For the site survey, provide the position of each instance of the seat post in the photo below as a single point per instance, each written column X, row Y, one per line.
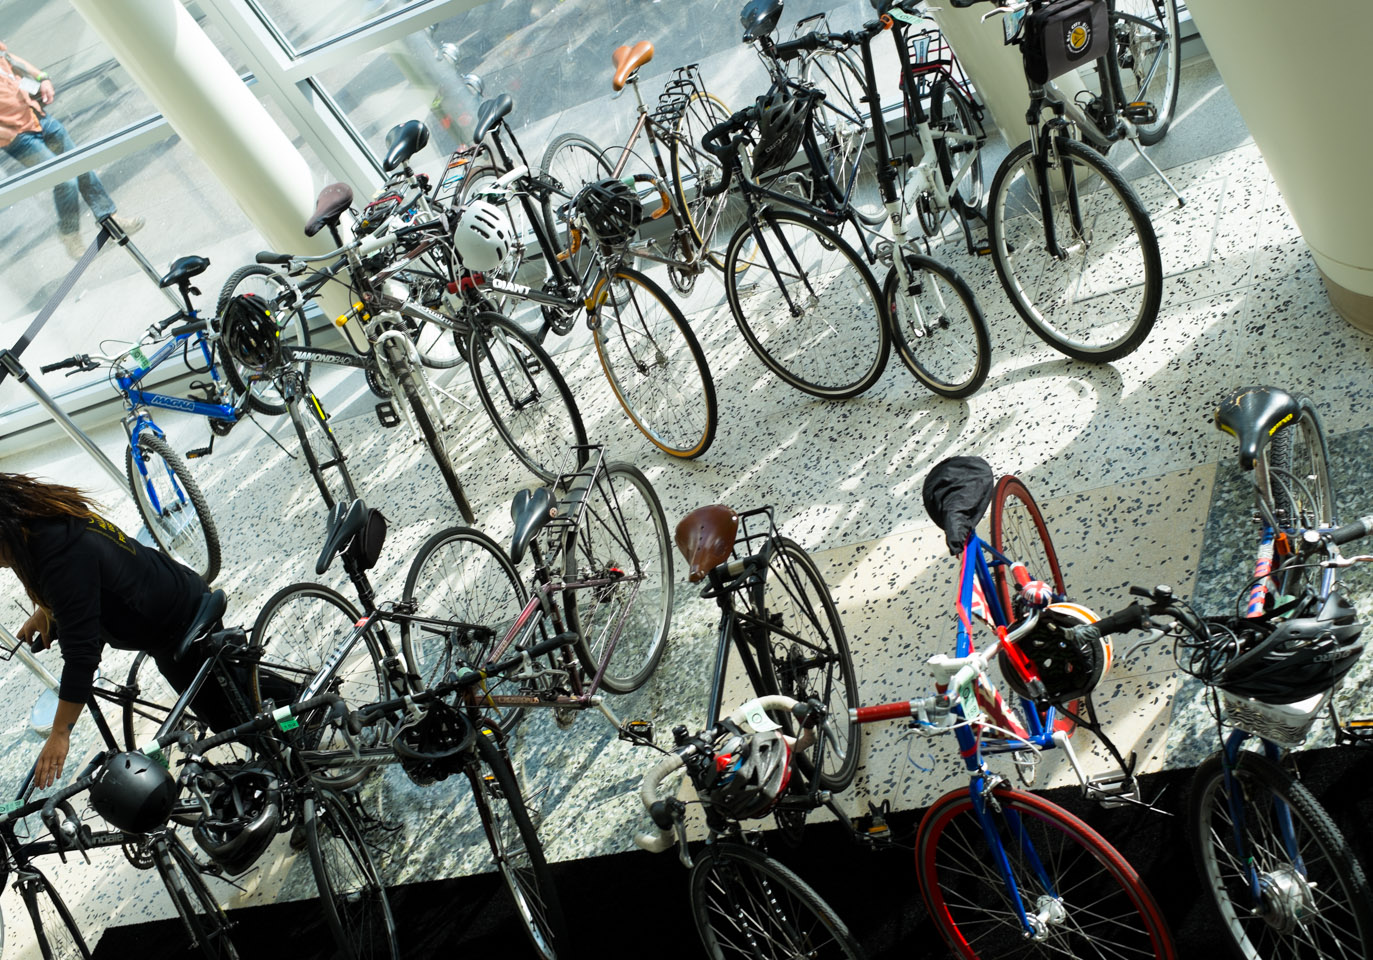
column 634, row 80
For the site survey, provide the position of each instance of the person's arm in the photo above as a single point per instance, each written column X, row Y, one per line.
column 53, row 757
column 45, row 87
column 37, row 630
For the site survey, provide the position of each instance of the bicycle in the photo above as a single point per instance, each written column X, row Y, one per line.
column 743, row 901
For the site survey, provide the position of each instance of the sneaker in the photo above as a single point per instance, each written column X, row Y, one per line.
column 72, row 241
column 130, row 225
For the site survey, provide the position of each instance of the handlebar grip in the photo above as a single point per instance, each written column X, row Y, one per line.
column 883, row 711
column 962, row 4
column 195, row 326
column 791, row 49
column 267, row 256
column 62, row 364
column 1351, row 531
column 1131, row 618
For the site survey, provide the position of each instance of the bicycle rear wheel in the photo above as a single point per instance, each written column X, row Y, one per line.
column 1099, row 300
column 526, row 397
column 841, row 123
column 655, row 364
column 709, row 218
column 1314, row 898
column 746, row 904
column 1019, row 533
column 937, row 327
column 324, row 458
column 55, row 931
column 1300, row 486
column 201, row 914
column 265, row 283
column 810, row 309
column 155, row 697
column 957, row 149
column 1080, row 895
column 622, row 539
column 171, row 504
column 351, row 894
column 1146, row 53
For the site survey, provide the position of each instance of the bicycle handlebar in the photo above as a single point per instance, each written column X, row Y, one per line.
column 82, row 362
column 365, row 247
column 1340, row 535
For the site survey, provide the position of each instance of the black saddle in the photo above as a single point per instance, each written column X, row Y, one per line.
column 346, row 520
column 207, row 617
column 532, row 510
column 957, row 493
column 489, row 114
column 1252, row 415
column 183, row 269
column 403, row 141
column 333, row 200
column 760, row 17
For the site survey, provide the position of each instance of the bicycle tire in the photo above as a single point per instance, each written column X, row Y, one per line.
column 141, row 723
column 416, row 393
column 172, row 506
column 655, row 365
column 1019, row 533
column 728, row 879
column 200, row 912
column 263, row 396
column 352, row 896
column 524, row 393
column 841, row 124
column 621, row 531
column 293, row 638
column 937, row 328
column 829, row 359
column 965, row 894
column 814, row 660
column 1057, row 311
column 951, row 113
column 56, row 933
column 1300, row 486
column 516, row 848
column 706, row 216
column 1324, row 903
column 572, row 161
column 314, row 431
column 1128, row 57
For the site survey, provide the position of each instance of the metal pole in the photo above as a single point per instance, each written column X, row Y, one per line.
column 111, row 227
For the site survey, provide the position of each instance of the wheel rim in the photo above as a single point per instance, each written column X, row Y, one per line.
column 358, row 898
column 267, row 289
column 530, row 411
column 1148, row 50
column 172, row 517
column 937, row 332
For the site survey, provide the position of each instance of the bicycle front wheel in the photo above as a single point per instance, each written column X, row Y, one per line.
column 655, row 364
column 1076, row 892
column 1096, row 296
column 957, row 147
column 526, row 397
column 621, row 543
column 1146, row 53
column 746, row 904
column 351, row 894
column 57, row 935
column 810, row 309
column 841, row 121
column 694, row 169
column 1299, row 485
column 938, row 328
column 324, row 458
column 173, row 508
column 271, row 290
column 1019, row 533
column 571, row 162
column 201, row 914
column 428, row 422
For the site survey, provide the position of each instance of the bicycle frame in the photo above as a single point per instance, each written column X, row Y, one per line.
column 128, row 383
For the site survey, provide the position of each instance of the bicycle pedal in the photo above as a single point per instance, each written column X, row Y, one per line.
column 1140, row 111
column 1112, row 790
column 637, row 731
column 386, row 414
column 872, row 828
column 1355, row 733
column 198, row 452
column 982, row 248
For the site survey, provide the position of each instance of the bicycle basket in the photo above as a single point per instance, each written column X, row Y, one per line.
column 1285, row 724
column 1060, row 36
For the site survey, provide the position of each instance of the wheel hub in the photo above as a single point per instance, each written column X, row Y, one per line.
column 1049, row 913
column 1285, row 899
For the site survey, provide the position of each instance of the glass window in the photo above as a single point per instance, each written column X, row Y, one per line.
column 305, row 25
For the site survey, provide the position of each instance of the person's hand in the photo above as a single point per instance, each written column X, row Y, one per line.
column 46, row 92
column 52, row 758
column 36, row 631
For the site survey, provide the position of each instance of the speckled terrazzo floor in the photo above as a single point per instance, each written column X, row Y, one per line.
column 1137, row 485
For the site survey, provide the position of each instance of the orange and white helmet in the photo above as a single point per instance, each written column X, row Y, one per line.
column 1069, row 669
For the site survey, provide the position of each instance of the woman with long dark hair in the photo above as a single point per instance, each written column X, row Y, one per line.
column 91, row 585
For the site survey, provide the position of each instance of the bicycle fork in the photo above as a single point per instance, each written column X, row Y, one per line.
column 1049, row 911
column 1280, row 880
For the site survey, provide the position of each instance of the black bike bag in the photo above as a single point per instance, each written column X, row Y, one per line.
column 1063, row 35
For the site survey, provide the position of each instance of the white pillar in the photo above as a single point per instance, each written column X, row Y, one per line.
column 1299, row 76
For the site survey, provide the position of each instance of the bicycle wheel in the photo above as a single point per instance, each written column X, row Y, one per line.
column 571, row 162
column 655, row 364
column 841, row 122
column 1147, row 56
column 200, row 912
column 1300, row 486
column 937, row 327
column 324, row 458
column 427, row 422
column 833, row 348
column 622, row 542
column 172, row 506
column 694, row 169
column 1099, row 300
column 268, row 285
column 526, row 397
column 808, row 652
column 1019, row 533
column 746, row 904
column 351, row 894
column 149, row 700
column 516, row 848
column 297, row 635
column 56, row 934
column 1081, row 897
column 1313, row 901
column 957, row 147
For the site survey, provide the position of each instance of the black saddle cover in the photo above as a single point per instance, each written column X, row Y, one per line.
column 403, row 141
column 210, row 612
column 531, row 510
column 183, row 269
column 490, row 113
column 1252, row 415
column 957, row 493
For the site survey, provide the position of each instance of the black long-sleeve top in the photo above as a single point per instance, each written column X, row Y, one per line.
column 103, row 587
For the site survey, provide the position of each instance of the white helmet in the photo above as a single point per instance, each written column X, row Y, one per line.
column 482, row 235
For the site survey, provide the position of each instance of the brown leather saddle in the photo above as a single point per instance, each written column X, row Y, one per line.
column 705, row 536
column 628, row 60
column 333, row 200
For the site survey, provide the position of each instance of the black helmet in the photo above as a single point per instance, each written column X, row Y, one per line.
column 428, row 743
column 610, row 211
column 134, row 793
column 251, row 335
column 781, row 125
column 751, row 773
column 1068, row 670
column 245, row 814
column 1302, row 657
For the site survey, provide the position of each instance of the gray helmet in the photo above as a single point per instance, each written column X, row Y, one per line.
column 134, row 793
column 245, row 814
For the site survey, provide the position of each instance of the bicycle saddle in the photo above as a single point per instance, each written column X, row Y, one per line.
column 210, row 612
column 403, row 141
column 760, row 17
column 491, row 113
column 957, row 493
column 705, row 537
column 628, row 60
column 333, row 200
column 531, row 510
column 345, row 521
column 1252, row 415
column 184, row 269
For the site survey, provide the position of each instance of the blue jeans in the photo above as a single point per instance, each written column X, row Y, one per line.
column 34, row 148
